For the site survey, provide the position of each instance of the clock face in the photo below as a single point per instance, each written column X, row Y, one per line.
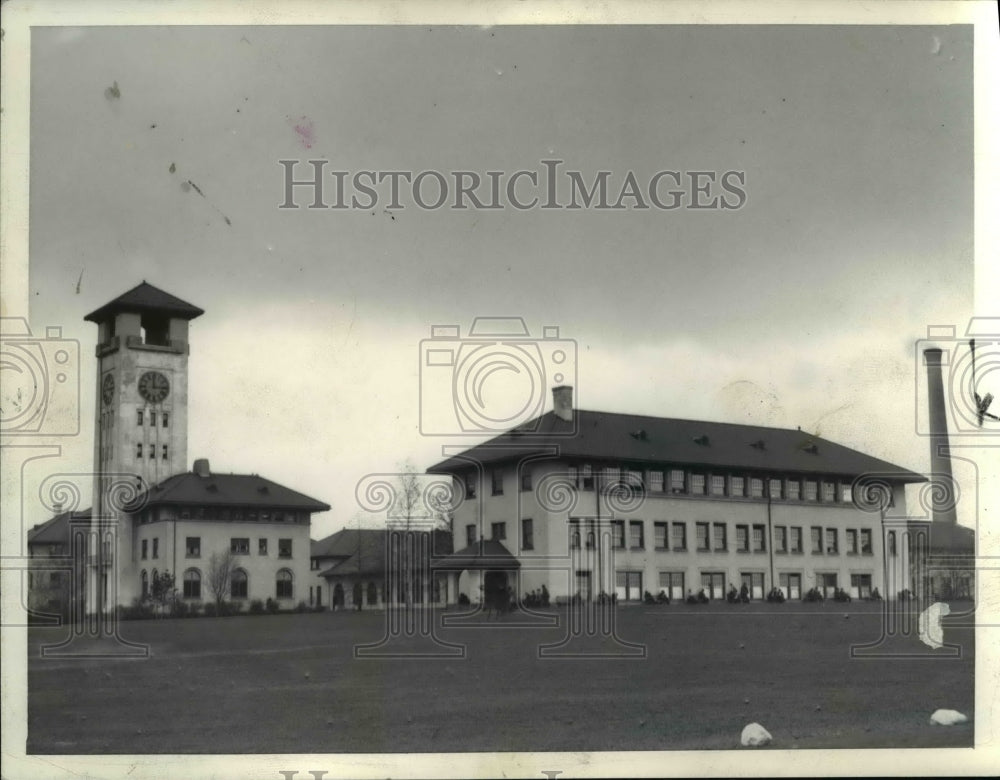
column 154, row 386
column 108, row 389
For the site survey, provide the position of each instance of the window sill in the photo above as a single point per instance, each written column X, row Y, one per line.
column 680, row 549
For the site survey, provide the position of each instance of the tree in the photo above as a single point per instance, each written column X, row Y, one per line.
column 416, row 500
column 162, row 590
column 220, row 575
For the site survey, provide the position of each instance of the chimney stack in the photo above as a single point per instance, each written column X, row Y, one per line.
column 201, row 468
column 562, row 402
column 938, row 425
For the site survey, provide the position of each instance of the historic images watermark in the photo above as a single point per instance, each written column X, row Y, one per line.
column 308, row 183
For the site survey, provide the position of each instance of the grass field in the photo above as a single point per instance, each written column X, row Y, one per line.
column 290, row 683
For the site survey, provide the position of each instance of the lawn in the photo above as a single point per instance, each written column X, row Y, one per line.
column 290, row 683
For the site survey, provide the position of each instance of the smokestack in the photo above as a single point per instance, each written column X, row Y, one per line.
column 201, row 468
column 562, row 402
column 938, row 425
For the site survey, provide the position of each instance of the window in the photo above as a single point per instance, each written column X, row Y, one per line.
column 698, row 484
column 758, row 539
column 656, row 481
column 846, row 494
column 737, row 486
column 525, row 479
column 701, row 536
column 754, row 581
column 164, row 451
column 144, row 548
column 719, row 537
column 152, row 452
column 828, row 584
column 676, row 481
column 618, row 534
column 283, row 585
column 680, row 536
column 193, row 546
column 497, row 479
column 892, row 543
column 574, row 534
column 587, row 473
column 713, row 583
column 261, row 546
column 145, row 584
column 498, row 531
column 636, row 538
column 718, row 485
column 852, row 541
column 660, row 536
column 816, row 536
column 238, row 584
column 284, row 548
column 831, row 541
column 527, row 534
column 810, row 490
column 470, row 534
column 672, row 583
column 138, row 417
column 780, row 539
column 470, row 485
column 152, row 418
column 795, row 541
column 792, row 488
column 628, row 585
column 774, row 486
column 612, row 475
column 743, row 538
column 861, row 586
column 138, row 450
column 192, row 584
column 166, row 418
column 866, row 541
column 829, row 491
column 756, row 488
column 240, row 546
column 633, row 478
column 590, row 538
column 156, row 547
column 314, row 564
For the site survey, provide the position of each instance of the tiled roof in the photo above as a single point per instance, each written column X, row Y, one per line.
column 354, row 550
column 56, row 529
column 235, row 490
column 484, row 554
column 630, row 438
column 142, row 298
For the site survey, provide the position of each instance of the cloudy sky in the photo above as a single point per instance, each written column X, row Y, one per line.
column 154, row 155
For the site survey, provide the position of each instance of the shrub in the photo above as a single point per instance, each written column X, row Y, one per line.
column 463, row 600
column 272, row 606
column 211, row 610
column 905, row 594
column 180, row 609
column 662, row 597
column 301, row 607
column 647, row 598
column 319, row 608
column 691, row 599
column 256, row 607
column 814, row 594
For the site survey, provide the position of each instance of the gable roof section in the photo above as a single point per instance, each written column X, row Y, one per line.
column 362, row 550
column 236, row 490
column 631, row 438
column 479, row 556
column 55, row 530
column 146, row 298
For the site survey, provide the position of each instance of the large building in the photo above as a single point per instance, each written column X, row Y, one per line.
column 585, row 502
column 151, row 514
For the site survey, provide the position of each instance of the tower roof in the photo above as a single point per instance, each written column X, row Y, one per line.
column 146, row 298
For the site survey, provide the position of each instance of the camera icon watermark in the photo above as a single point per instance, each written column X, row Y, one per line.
column 39, row 381
column 494, row 379
column 969, row 366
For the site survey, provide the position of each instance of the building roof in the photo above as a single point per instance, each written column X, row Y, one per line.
column 56, row 529
column 146, row 298
column 631, row 438
column 478, row 556
column 362, row 550
column 235, row 490
column 948, row 539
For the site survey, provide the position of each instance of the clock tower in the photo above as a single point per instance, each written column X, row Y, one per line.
column 141, row 414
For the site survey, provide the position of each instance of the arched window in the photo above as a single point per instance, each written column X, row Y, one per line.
column 145, row 584
column 283, row 584
column 192, row 584
column 238, row 584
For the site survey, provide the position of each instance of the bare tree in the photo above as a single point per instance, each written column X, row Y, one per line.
column 414, row 502
column 220, row 575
